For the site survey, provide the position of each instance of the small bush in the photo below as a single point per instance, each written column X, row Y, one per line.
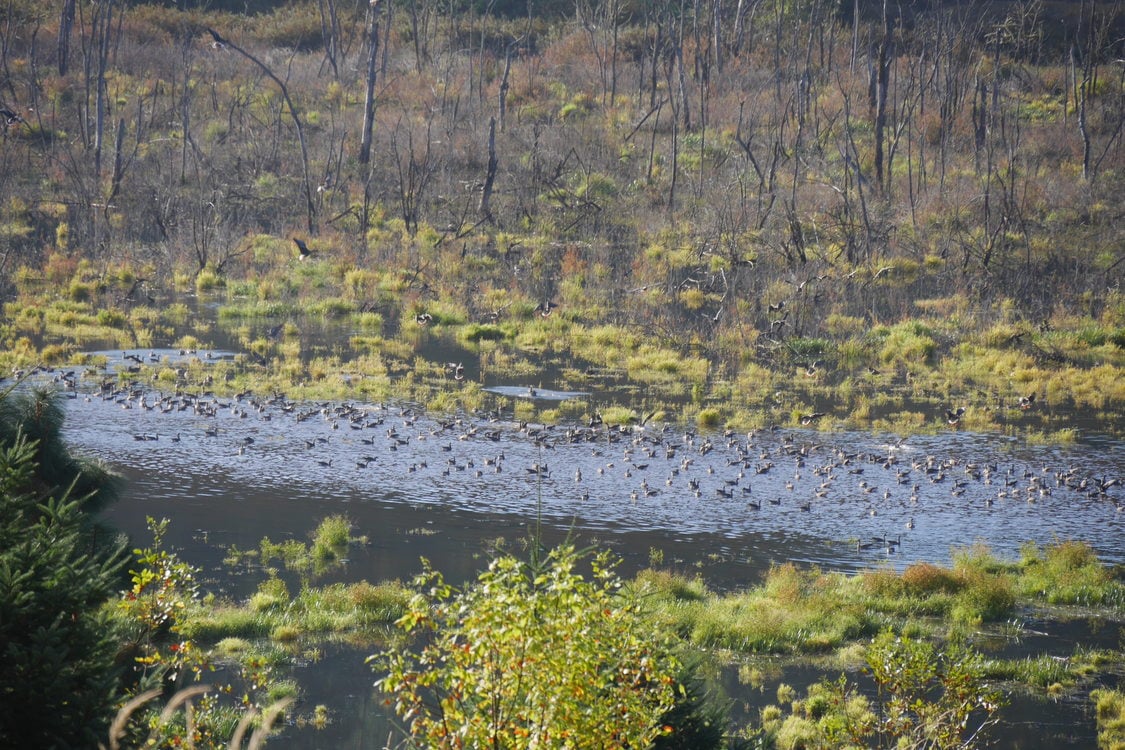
column 208, row 281
column 331, row 538
column 927, row 578
column 79, row 291
column 666, row 583
column 709, row 418
column 985, row 597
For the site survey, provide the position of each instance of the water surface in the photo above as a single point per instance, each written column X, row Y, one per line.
column 230, row 470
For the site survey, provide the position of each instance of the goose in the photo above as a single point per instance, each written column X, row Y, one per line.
column 1026, row 402
column 954, row 417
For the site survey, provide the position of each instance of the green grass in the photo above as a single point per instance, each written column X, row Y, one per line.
column 356, row 608
column 1048, row 672
column 1109, row 709
column 1068, row 573
column 806, row 611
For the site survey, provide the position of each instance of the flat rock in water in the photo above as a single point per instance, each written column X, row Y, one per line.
column 543, row 394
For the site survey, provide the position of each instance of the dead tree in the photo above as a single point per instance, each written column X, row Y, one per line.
column 310, row 204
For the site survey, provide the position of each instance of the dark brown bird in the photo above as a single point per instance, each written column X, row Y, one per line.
column 303, row 249
column 219, row 42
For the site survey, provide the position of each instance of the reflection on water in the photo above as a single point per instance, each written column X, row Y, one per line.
column 232, row 470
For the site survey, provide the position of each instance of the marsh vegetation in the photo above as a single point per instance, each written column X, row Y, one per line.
column 763, row 231
column 732, row 217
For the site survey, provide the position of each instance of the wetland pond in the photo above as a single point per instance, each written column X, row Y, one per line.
column 231, row 470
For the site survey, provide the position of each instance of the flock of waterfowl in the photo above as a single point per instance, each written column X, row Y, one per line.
column 873, row 493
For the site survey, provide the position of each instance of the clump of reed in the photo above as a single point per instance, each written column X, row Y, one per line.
column 316, row 611
column 794, row 611
column 259, row 724
column 799, row 610
column 1109, row 708
column 1046, row 671
column 1068, row 573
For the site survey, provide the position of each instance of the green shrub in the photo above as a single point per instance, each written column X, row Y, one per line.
column 508, row 641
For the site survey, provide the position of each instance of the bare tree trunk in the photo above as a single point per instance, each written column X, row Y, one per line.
column 736, row 33
column 369, row 93
column 102, row 30
column 882, row 79
column 330, row 30
column 485, row 208
column 681, row 80
column 502, row 104
column 310, row 205
column 417, row 30
column 855, row 33
column 66, row 23
column 614, row 11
